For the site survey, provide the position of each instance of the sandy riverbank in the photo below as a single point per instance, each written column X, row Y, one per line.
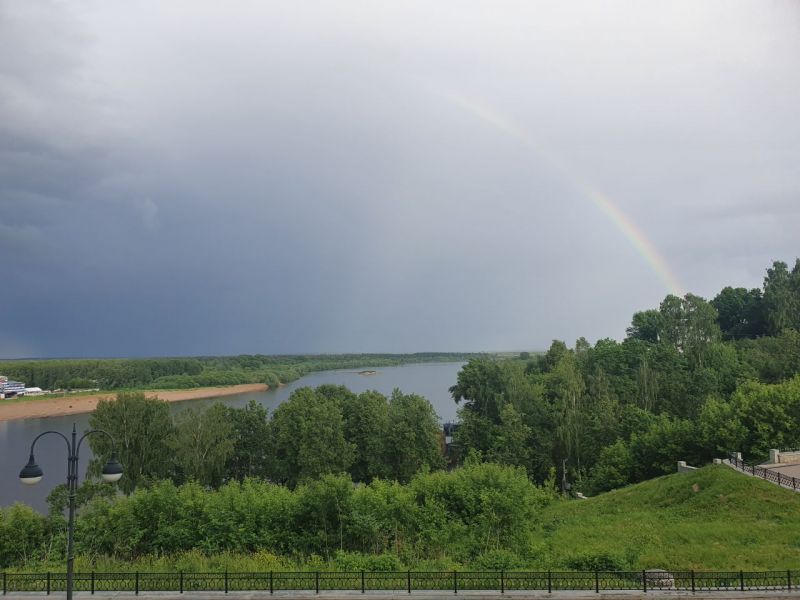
column 70, row 405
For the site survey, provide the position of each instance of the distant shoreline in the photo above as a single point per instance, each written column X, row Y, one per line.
column 72, row 405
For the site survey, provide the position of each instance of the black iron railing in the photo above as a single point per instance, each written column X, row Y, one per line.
column 766, row 474
column 402, row 581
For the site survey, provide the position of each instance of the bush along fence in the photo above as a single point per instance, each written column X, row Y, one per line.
column 792, row 483
column 403, row 581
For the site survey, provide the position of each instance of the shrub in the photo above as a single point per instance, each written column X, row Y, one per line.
column 22, row 535
column 598, row 561
column 356, row 561
column 498, row 560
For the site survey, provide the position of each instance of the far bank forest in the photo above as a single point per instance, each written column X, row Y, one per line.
column 200, row 371
column 361, row 481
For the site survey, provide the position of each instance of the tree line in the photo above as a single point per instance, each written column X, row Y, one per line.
column 692, row 380
column 480, row 514
column 180, row 373
column 315, row 432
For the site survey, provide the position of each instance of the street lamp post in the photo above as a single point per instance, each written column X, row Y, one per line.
column 32, row 474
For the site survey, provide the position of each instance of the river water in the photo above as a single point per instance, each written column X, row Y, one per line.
column 430, row 380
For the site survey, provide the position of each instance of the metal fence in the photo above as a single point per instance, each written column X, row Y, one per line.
column 403, row 581
column 766, row 474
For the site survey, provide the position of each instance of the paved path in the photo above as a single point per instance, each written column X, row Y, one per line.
column 787, row 479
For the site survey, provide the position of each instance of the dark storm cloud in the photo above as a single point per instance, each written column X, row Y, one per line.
column 182, row 178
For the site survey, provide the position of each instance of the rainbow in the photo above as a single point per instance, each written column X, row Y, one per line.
column 632, row 232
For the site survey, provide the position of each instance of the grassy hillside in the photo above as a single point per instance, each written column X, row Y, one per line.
column 713, row 518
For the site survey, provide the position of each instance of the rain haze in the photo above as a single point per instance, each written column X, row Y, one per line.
column 181, row 178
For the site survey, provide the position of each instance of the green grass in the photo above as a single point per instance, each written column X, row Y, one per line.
column 713, row 518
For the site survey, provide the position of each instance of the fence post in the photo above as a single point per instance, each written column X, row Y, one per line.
column 5, row 583
column 363, row 589
column 644, row 581
column 137, row 583
column 270, row 583
column 502, row 581
column 226, row 581
column 93, row 582
column 181, row 582
column 596, row 582
column 693, row 581
column 408, row 581
column 316, row 579
column 789, row 580
column 741, row 581
column 779, row 478
column 549, row 582
column 794, row 483
column 48, row 583
column 455, row 582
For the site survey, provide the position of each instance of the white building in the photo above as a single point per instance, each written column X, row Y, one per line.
column 11, row 389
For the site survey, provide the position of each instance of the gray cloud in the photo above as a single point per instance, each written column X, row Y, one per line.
column 182, row 178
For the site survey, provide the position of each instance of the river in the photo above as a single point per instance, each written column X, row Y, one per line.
column 431, row 380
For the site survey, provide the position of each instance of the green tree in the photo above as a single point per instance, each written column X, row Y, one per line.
column 339, row 394
column 511, row 443
column 141, row 427
column 646, row 326
column 323, row 509
column 721, row 429
column 384, row 518
column 689, row 324
column 553, row 355
column 718, row 375
column 251, row 445
column 58, row 498
column 613, row 469
column 567, row 388
column 307, row 436
column 480, row 386
column 202, row 444
column 602, row 415
column 757, row 417
column 772, row 359
column 366, row 425
column 479, row 507
column 782, row 297
column 672, row 370
column 23, row 535
column 740, row 313
column 527, row 394
column 480, row 389
column 647, row 385
column 475, row 433
column 414, row 439
column 666, row 440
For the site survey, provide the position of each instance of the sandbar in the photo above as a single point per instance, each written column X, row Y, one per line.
column 71, row 405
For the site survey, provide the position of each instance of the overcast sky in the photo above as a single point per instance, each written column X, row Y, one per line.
column 192, row 177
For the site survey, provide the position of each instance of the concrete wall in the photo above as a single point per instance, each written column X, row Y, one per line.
column 791, row 457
